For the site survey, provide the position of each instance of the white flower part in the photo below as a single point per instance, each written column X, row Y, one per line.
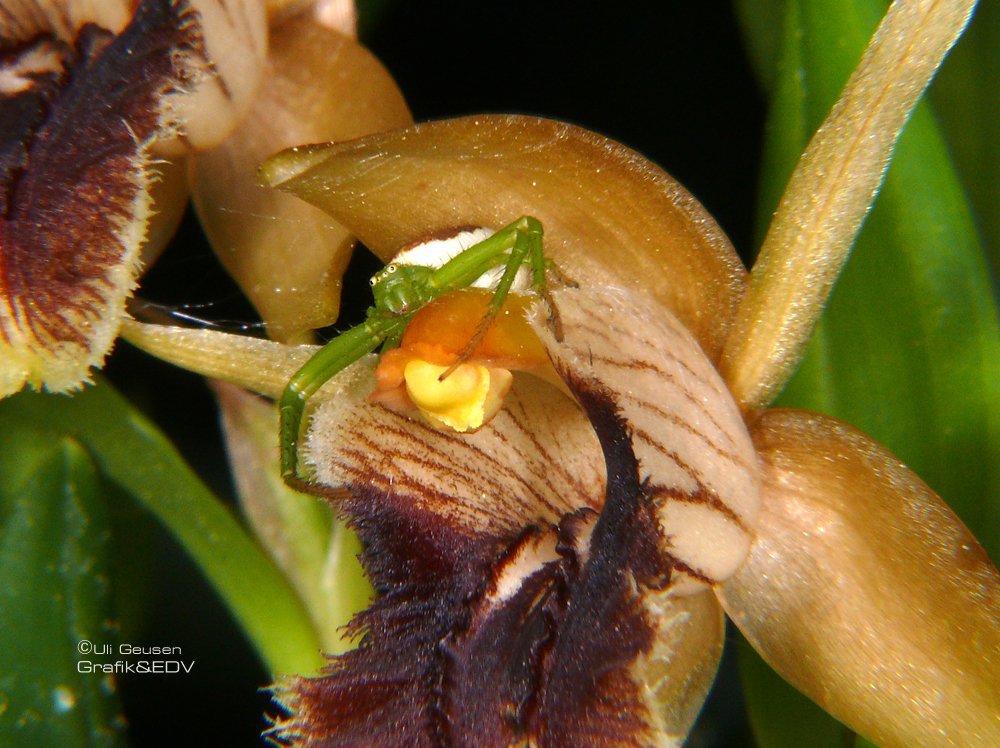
column 436, row 252
column 528, row 557
column 696, row 459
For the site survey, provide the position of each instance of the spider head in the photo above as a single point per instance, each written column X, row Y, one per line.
column 399, row 288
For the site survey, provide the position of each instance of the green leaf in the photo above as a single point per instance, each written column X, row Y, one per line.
column 967, row 99
column 909, row 347
column 55, row 595
column 761, row 22
column 260, row 598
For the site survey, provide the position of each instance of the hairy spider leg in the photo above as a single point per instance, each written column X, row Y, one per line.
column 511, row 246
column 332, row 358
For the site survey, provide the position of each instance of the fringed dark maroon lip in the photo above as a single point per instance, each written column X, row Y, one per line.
column 74, row 169
column 446, row 659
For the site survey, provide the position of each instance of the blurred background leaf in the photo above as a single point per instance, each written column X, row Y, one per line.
column 133, row 454
column 909, row 347
column 54, row 593
column 317, row 553
column 966, row 99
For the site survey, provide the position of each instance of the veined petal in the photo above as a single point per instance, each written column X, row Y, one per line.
column 535, row 462
column 866, row 592
column 610, row 215
column 695, row 456
column 516, row 606
column 288, row 256
column 523, row 600
column 75, row 179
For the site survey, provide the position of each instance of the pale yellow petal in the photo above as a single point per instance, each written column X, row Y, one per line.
column 609, row 214
column 693, row 448
column 866, row 592
column 288, row 256
column 830, row 193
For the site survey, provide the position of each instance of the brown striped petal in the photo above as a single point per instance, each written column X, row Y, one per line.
column 529, row 597
column 288, row 256
column 75, row 177
column 866, row 592
column 829, row 195
column 609, row 214
column 694, row 451
column 502, row 622
column 535, row 462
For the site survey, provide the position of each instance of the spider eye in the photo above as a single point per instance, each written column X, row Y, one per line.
column 371, row 282
column 391, row 269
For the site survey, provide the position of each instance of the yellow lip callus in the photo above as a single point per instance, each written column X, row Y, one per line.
column 465, row 400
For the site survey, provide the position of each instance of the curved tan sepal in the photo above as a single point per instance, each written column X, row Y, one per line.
column 610, row 216
column 288, row 256
column 680, row 670
column 866, row 592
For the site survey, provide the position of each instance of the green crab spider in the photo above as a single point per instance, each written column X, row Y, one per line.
column 400, row 289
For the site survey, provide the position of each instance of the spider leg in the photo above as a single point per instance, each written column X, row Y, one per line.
column 540, row 264
column 527, row 247
column 331, row 359
column 510, row 247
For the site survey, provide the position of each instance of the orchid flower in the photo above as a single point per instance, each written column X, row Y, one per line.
column 558, row 577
